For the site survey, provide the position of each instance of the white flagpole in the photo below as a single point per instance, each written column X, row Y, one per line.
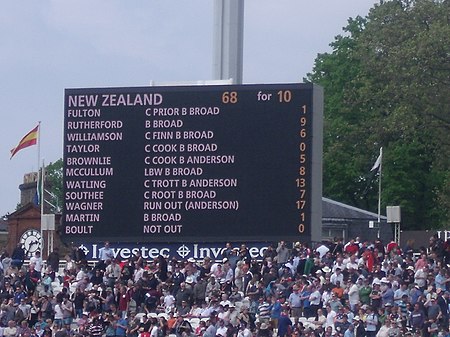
column 40, row 183
column 379, row 190
column 42, row 204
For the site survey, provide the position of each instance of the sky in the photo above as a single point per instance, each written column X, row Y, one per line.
column 49, row 45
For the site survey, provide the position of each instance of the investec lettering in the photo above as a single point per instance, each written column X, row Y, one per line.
column 196, row 251
column 126, row 253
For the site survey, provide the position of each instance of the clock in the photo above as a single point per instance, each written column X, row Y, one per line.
column 31, row 241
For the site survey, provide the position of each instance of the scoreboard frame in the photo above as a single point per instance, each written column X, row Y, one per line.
column 193, row 163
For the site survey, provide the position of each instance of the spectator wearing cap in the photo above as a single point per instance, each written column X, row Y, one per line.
column 320, row 277
column 228, row 270
column 177, row 278
column 387, row 294
column 360, row 330
column 408, row 275
column 233, row 315
column 263, row 330
column 415, row 294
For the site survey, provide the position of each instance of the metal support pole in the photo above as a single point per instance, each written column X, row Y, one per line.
column 228, row 40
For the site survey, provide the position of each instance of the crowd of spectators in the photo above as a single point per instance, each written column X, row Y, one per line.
column 351, row 289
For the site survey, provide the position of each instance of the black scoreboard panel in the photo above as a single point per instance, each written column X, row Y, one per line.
column 193, row 163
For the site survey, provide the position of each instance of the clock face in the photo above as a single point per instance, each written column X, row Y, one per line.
column 31, row 241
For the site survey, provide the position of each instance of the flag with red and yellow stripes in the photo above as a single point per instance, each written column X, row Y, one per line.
column 28, row 140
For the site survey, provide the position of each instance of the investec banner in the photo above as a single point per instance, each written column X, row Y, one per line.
column 180, row 251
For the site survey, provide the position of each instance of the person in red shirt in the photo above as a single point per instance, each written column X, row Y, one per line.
column 351, row 247
column 124, row 299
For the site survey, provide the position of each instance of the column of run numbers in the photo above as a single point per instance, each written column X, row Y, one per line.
column 301, row 180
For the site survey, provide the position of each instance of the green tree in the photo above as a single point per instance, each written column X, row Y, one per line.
column 386, row 84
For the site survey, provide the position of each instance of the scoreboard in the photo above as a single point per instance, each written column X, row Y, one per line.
column 193, row 163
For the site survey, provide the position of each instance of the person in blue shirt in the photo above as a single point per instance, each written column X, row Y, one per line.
column 307, row 312
column 284, row 324
column 121, row 325
column 275, row 309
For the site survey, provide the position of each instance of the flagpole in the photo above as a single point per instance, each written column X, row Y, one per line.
column 379, row 191
column 42, row 203
column 40, row 182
